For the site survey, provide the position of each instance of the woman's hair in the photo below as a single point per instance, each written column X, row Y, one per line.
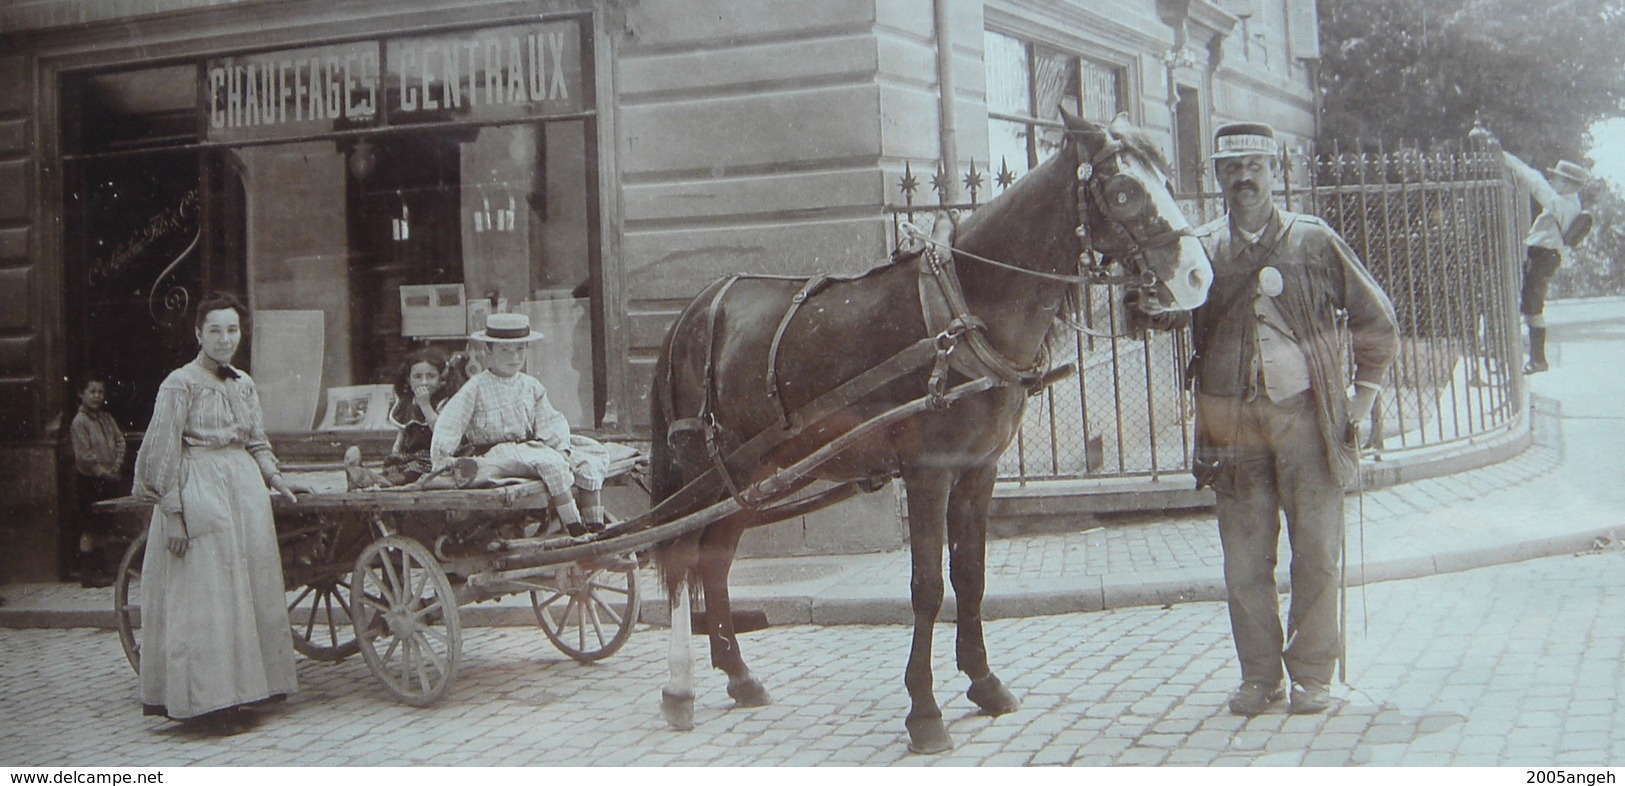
column 451, row 378
column 216, row 301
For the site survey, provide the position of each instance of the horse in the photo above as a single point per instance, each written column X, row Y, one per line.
column 751, row 355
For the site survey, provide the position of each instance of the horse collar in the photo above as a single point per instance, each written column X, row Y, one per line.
column 947, row 317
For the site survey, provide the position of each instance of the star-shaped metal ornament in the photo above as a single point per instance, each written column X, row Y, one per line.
column 909, row 183
column 1004, row 177
column 973, row 180
column 939, row 182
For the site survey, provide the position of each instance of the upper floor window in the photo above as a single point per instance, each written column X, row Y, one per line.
column 1027, row 82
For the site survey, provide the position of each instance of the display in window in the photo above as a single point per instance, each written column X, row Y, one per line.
column 358, row 408
column 433, row 310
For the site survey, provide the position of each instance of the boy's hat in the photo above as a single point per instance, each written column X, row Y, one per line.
column 1572, row 171
column 507, row 329
column 1244, row 139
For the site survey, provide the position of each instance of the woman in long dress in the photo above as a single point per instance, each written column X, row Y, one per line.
column 214, row 624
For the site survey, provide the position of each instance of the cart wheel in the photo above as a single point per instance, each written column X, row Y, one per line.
column 319, row 608
column 405, row 618
column 319, row 613
column 127, row 600
column 590, row 607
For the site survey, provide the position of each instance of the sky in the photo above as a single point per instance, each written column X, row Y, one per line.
column 1608, row 151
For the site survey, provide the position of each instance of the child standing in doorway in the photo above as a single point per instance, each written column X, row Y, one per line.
column 98, row 456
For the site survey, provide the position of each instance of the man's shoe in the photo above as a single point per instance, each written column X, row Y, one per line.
column 1309, row 698
column 1535, row 367
column 1252, row 698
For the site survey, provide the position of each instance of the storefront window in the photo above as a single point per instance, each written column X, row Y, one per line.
column 365, row 198
column 1026, row 83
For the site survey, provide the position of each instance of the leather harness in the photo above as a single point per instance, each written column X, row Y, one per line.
column 948, row 324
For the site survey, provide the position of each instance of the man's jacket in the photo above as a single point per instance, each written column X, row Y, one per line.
column 1329, row 300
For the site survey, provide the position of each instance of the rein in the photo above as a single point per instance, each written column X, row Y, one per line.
column 1089, row 188
column 1142, row 279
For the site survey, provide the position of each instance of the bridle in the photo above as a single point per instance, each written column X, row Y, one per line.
column 1123, row 202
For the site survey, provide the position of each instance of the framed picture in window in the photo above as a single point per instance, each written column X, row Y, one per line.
column 358, row 408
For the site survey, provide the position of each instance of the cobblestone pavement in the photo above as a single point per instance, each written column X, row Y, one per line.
column 1508, row 665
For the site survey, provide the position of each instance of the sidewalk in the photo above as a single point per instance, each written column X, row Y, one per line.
column 1564, row 494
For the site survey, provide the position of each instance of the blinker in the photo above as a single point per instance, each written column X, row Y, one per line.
column 1123, row 198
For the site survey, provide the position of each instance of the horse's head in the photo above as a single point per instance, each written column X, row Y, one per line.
column 1131, row 216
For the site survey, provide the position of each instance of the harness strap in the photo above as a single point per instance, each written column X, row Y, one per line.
column 940, row 292
column 707, row 417
column 811, row 288
column 699, row 491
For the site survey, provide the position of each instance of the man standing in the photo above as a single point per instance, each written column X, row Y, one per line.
column 1276, row 428
column 1548, row 247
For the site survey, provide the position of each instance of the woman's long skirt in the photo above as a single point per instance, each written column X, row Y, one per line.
column 214, row 625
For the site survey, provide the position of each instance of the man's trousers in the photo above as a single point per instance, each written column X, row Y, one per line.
column 1273, row 460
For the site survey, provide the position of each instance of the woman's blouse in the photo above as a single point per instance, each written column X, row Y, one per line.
column 197, row 409
column 490, row 409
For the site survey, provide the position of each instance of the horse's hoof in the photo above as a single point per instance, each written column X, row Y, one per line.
column 748, row 692
column 992, row 696
column 928, row 735
column 678, row 709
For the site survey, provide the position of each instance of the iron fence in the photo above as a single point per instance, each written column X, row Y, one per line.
column 1437, row 230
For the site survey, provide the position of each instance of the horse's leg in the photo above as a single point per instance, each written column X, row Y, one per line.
column 677, row 697
column 968, row 505
column 927, row 504
column 717, row 549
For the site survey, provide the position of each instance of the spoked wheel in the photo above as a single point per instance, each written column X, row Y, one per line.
column 319, row 613
column 319, row 608
column 405, row 619
column 587, row 609
column 127, row 600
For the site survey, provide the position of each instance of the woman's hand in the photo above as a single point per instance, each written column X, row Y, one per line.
column 177, row 543
column 281, row 486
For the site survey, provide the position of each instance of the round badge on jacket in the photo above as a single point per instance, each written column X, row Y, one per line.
column 1270, row 282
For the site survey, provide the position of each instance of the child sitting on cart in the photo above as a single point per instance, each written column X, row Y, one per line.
column 503, row 419
column 424, row 383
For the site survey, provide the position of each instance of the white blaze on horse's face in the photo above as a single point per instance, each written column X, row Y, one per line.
column 1183, row 270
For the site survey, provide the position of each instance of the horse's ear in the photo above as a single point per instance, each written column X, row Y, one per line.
column 1122, row 125
column 1092, row 136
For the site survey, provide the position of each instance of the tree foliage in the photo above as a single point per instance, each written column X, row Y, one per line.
column 1537, row 72
column 1598, row 264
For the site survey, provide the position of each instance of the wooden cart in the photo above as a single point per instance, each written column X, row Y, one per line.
column 384, row 573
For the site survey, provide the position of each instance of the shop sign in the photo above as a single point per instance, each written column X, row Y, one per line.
column 506, row 73
column 494, row 74
column 300, row 91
